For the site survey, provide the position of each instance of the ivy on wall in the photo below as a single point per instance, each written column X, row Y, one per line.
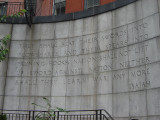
column 4, row 41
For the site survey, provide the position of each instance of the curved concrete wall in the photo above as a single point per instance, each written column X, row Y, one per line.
column 109, row 61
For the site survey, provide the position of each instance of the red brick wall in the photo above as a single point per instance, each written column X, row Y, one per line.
column 46, row 7
column 3, row 0
column 103, row 2
column 78, row 5
column 38, row 7
column 15, row 0
column 12, row 9
column 74, row 6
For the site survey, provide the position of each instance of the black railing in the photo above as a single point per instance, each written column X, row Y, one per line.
column 67, row 115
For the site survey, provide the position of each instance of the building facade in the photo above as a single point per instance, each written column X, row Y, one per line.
column 54, row 7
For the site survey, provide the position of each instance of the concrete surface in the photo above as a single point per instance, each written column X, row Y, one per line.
column 109, row 61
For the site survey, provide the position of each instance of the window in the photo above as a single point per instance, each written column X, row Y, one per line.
column 91, row 3
column 3, row 8
column 59, row 7
column 30, row 5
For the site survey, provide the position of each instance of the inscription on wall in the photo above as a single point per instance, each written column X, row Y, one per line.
column 98, row 42
column 95, row 54
column 99, row 62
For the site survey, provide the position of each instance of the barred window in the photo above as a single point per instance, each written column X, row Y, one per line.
column 91, row 3
column 59, row 7
column 3, row 8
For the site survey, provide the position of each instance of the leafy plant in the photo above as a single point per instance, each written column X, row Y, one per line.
column 18, row 14
column 3, row 42
column 50, row 111
column 3, row 47
column 3, row 117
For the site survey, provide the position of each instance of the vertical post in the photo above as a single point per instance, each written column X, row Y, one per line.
column 29, row 115
column 100, row 114
column 1, row 116
column 54, row 115
column 96, row 114
column 19, row 7
column 60, row 7
column 35, row 5
column 33, row 116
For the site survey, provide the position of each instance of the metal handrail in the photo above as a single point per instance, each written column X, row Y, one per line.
column 107, row 114
column 99, row 114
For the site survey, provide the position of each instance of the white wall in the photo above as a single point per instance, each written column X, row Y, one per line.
column 109, row 61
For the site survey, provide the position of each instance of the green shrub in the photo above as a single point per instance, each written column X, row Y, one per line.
column 3, row 117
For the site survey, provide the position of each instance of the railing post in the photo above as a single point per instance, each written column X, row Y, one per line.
column 100, row 114
column 29, row 115
column 96, row 114
column 54, row 116
column 33, row 116
column 58, row 115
